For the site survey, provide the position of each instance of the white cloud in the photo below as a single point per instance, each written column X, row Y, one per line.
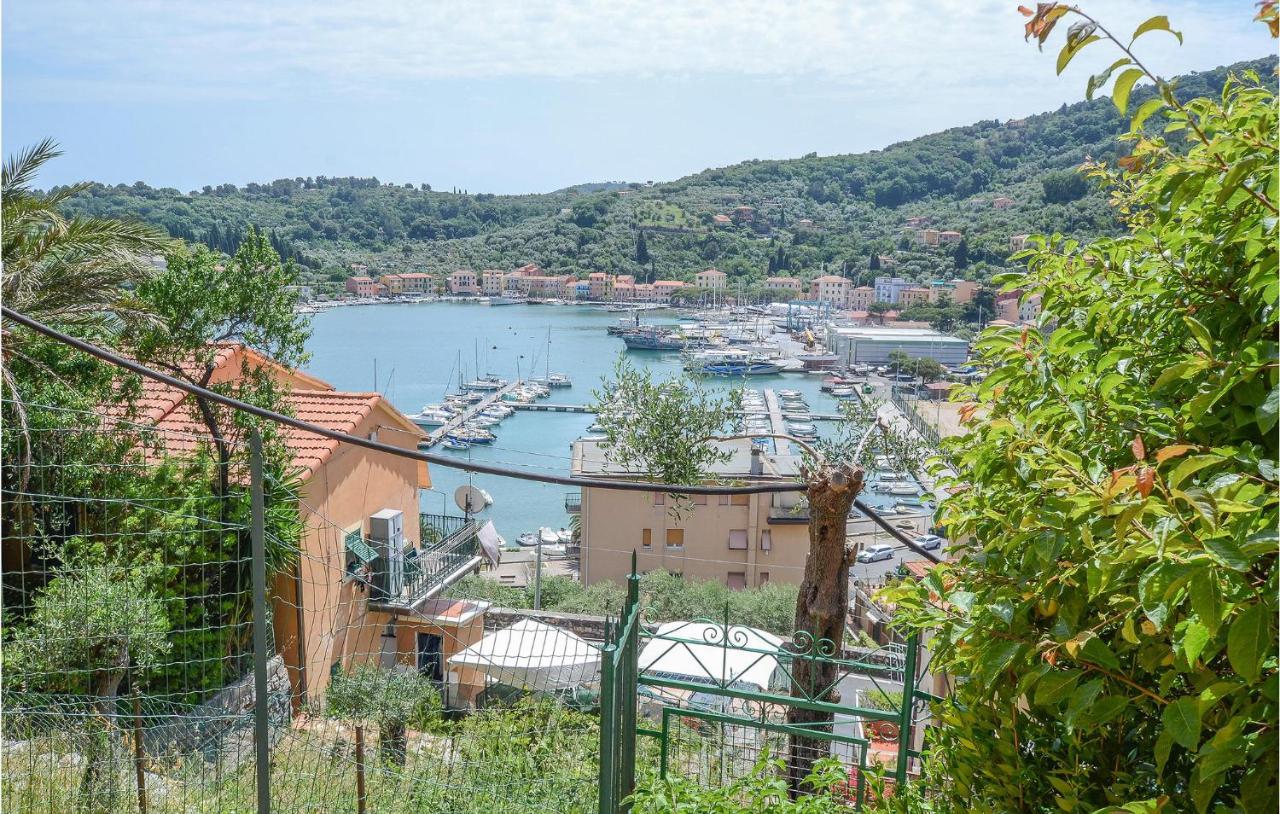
column 264, row 48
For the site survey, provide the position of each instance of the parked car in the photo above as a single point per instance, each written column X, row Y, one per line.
column 930, row 541
column 875, row 553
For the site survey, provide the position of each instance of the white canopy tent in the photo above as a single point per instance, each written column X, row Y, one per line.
column 534, row 656
column 695, row 651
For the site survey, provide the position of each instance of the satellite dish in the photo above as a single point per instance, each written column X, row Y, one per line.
column 471, row 499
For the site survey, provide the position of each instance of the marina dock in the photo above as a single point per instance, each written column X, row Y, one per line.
column 438, row 434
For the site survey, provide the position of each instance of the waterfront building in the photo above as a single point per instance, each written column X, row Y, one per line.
column 492, row 282
column 711, row 278
column 663, row 289
column 741, row 541
column 392, row 284
column 782, row 284
column 872, row 345
column 644, row 292
column 860, row 298
column 464, row 282
column 416, row 282
column 600, row 286
column 362, row 286
column 889, row 289
column 830, row 288
column 916, row 295
column 581, row 289
column 624, row 291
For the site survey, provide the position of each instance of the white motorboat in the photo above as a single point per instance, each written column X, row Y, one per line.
column 559, row 380
column 472, row 435
column 596, row 427
column 548, row 536
column 801, row 429
column 437, row 417
column 564, row 535
column 453, row 443
column 498, row 411
column 528, row 539
column 842, row 392
column 485, row 421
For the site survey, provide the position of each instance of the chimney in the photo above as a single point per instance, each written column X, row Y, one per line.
column 757, row 460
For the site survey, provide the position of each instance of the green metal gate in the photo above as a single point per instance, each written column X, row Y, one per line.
column 718, row 699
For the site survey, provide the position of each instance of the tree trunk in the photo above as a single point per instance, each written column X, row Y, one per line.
column 821, row 608
column 100, row 785
column 393, row 744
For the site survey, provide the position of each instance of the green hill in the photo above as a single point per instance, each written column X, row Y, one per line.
column 857, row 206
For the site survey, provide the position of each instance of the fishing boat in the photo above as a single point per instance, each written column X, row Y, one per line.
column 453, row 443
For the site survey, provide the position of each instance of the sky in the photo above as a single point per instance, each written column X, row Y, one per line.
column 517, row 96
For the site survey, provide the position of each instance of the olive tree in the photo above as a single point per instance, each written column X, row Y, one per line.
column 1114, row 615
column 393, row 700
column 89, row 628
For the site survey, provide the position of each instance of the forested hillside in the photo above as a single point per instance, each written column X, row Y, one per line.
column 857, row 206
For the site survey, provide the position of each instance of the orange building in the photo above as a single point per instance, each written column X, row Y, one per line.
column 351, row 584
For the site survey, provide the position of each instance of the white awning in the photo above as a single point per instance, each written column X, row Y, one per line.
column 695, row 651
column 533, row 655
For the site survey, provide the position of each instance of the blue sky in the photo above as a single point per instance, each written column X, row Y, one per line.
column 508, row 96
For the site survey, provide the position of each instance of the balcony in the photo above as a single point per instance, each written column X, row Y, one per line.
column 450, row 550
column 573, row 502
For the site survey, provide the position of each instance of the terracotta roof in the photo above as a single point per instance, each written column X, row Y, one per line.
column 181, row 430
column 919, row 568
column 715, row 272
column 829, row 278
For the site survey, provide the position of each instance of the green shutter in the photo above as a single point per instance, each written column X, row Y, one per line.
column 358, row 548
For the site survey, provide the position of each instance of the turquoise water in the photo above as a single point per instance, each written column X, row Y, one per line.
column 416, row 349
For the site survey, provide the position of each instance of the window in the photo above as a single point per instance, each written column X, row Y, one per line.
column 646, row 538
column 675, row 538
column 724, row 500
column 738, row 540
column 737, row 580
column 740, row 500
column 764, row 577
column 766, row 540
column 659, row 498
column 699, row 500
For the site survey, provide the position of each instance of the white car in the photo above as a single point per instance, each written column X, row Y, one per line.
column 930, row 541
column 875, row 553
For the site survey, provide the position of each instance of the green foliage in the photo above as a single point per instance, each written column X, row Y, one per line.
column 666, row 598
column 764, row 788
column 393, row 700
column 1063, row 186
column 673, row 442
column 1114, row 616
column 88, row 627
column 860, row 201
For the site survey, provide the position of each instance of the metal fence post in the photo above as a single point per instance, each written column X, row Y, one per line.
column 908, row 706
column 257, row 534
column 608, row 724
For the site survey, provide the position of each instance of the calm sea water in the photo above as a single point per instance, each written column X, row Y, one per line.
column 417, row 349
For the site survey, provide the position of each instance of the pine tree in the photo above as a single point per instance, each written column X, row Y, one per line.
column 642, row 249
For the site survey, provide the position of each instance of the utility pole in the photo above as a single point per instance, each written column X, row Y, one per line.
column 537, row 576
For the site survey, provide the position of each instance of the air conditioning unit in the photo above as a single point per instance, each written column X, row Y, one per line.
column 386, row 534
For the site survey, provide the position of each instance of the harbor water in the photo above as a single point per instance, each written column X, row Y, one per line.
column 418, row 351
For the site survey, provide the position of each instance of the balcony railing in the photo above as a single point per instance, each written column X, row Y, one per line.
column 449, row 549
column 573, row 502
